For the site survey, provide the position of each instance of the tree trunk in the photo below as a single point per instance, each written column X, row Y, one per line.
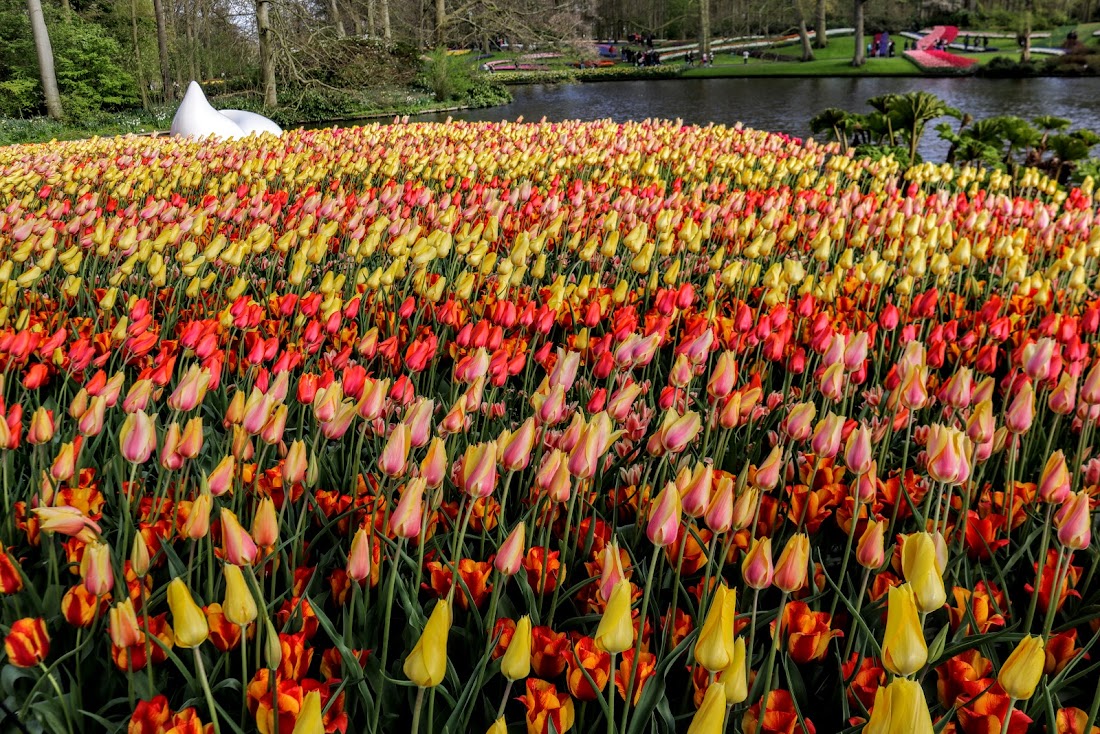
column 803, row 34
column 440, row 23
column 822, row 39
column 67, row 10
column 267, row 55
column 142, row 86
column 1025, row 55
column 45, row 58
column 704, row 26
column 334, row 16
column 384, row 6
column 372, row 25
column 860, row 55
column 162, row 50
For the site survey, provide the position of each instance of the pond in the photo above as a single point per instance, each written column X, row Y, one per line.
column 787, row 104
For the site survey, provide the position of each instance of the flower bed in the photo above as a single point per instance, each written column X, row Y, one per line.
column 543, row 427
column 941, row 62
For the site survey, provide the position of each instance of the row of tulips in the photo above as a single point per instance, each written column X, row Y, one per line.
column 544, row 427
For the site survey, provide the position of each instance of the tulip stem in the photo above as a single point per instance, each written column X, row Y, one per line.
column 902, row 491
column 1044, row 545
column 244, row 668
column 503, row 700
column 641, row 631
column 61, row 697
column 859, row 606
column 416, row 710
column 1008, row 715
column 611, row 697
column 1055, row 591
column 1094, row 708
column 386, row 626
column 206, row 690
column 847, row 553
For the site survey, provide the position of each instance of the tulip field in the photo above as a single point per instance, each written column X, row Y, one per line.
column 539, row 428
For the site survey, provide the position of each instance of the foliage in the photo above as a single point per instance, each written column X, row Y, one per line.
column 91, row 73
column 447, row 77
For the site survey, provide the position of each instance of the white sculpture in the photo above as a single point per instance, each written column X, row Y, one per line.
column 251, row 123
column 197, row 118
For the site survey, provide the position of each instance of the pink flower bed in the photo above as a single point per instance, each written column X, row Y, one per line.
column 934, row 60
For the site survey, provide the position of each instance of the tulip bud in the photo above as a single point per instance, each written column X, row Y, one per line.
column 664, row 516
column 900, row 708
column 1021, row 411
column 948, row 455
column 265, row 524
column 1073, row 522
column 869, row 551
column 309, row 719
column 427, row 663
column 273, row 649
column 238, row 545
column 711, row 716
column 510, row 556
column 139, row 556
column 767, row 474
column 791, row 569
column 756, row 567
column 359, row 557
column 42, row 427
column 826, row 436
column 433, row 467
column 1063, row 398
column 405, row 522
column 498, row 727
column 123, row 625
column 921, row 569
column 1020, row 674
column 479, row 469
column 516, row 662
column 714, row 647
column 517, row 450
column 857, row 450
column 138, row 438
column 719, row 515
column 799, row 422
column 616, row 630
column 695, row 497
column 980, row 427
column 1054, row 484
column 395, row 454
column 188, row 621
column 295, row 464
column 95, row 569
column 904, row 650
column 866, row 485
column 734, row 678
column 239, row 606
column 220, row 480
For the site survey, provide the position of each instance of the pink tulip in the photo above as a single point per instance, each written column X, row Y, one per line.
column 948, row 455
column 1054, row 484
column 719, row 515
column 419, row 420
column 240, row 549
column 756, row 567
column 395, row 454
column 359, row 559
column 791, row 569
column 1074, row 522
column 664, row 516
column 1063, row 398
column 510, row 554
column 405, row 522
column 138, row 437
column 724, row 376
column 516, row 454
column 857, row 450
column 433, row 467
column 679, row 430
column 799, row 422
column 479, row 469
column 95, row 569
column 1021, row 411
column 826, row 436
column 768, row 473
column 695, row 492
column 265, row 524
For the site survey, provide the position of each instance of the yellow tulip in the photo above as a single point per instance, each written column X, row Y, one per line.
column 239, row 606
column 498, row 727
column 921, row 570
column 427, row 663
column 616, row 631
column 516, row 663
column 734, row 678
column 188, row 621
column 900, row 708
column 1021, row 672
column 711, row 716
column 309, row 716
column 714, row 648
column 904, row 650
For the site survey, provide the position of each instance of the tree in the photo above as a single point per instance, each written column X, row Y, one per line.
column 45, row 58
column 162, row 49
column 704, row 26
column 822, row 39
column 803, row 34
column 267, row 53
column 860, row 53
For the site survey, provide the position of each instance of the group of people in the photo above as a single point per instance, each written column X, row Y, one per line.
column 647, row 57
column 705, row 59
